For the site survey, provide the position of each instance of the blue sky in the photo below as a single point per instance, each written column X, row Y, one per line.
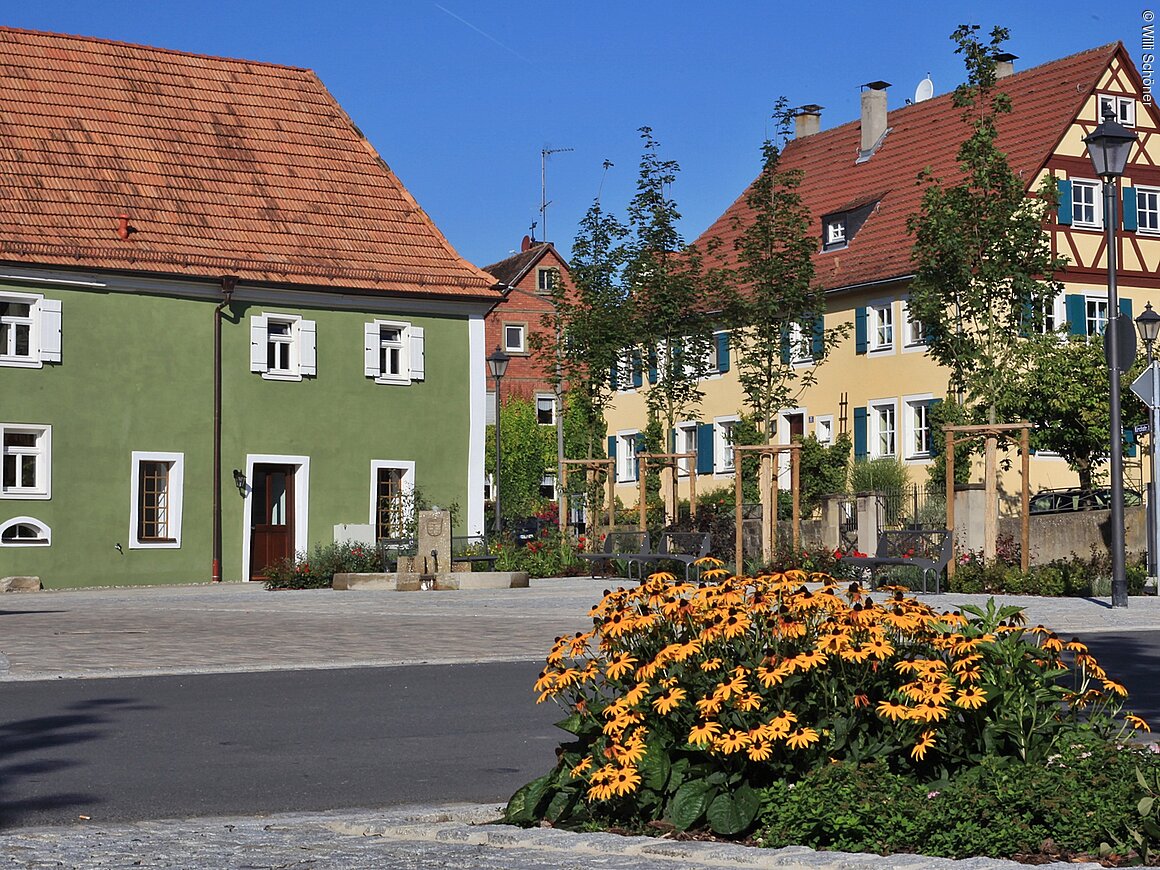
column 460, row 97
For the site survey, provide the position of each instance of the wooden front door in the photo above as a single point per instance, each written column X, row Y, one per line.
column 271, row 517
column 797, row 426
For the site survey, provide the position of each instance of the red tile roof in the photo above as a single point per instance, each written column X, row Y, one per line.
column 222, row 166
column 1045, row 100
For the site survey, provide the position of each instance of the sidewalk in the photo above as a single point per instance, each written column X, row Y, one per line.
column 241, row 627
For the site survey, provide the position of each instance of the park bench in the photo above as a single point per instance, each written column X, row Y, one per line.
column 926, row 549
column 682, row 547
column 472, row 549
column 622, row 546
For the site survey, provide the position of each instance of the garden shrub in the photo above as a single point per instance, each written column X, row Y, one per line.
column 552, row 554
column 687, row 701
column 317, row 570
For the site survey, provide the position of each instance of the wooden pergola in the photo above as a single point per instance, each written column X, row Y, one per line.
column 992, row 432
column 589, row 465
column 768, row 488
column 668, row 493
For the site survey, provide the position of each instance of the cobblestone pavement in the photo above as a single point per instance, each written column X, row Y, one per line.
column 241, row 627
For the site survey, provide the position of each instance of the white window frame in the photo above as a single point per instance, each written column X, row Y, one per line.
column 624, row 371
column 877, row 431
column 45, row 539
column 627, row 466
column 1054, row 314
column 824, row 425
column 1124, row 108
column 1096, row 222
column 301, row 343
column 520, row 347
column 911, row 406
column 835, row 234
column 43, row 452
column 910, row 343
column 175, row 494
column 545, row 280
column 407, row 466
column 548, row 481
column 1090, row 323
column 879, row 320
column 411, row 355
column 551, row 399
column 686, row 442
column 723, row 444
column 801, row 347
column 43, row 322
column 1152, row 211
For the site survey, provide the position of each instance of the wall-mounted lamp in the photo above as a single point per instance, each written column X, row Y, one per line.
column 240, row 482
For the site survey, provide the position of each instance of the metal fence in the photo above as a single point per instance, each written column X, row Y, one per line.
column 916, row 506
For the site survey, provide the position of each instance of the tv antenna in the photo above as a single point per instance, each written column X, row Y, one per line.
column 544, row 201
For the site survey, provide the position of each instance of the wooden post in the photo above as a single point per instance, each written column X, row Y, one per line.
column 991, row 493
column 692, row 489
column 739, row 555
column 642, row 508
column 950, row 472
column 1025, row 521
column 766, row 483
column 610, row 476
column 794, row 477
column 562, row 496
column 669, row 492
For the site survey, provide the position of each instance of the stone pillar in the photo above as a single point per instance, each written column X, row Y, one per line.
column 970, row 517
column 832, row 522
column 434, row 541
column 871, row 519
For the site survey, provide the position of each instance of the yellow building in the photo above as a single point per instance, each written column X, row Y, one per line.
column 860, row 185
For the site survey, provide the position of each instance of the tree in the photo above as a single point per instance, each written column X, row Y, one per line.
column 983, row 263
column 775, row 309
column 528, row 451
column 670, row 295
column 1061, row 387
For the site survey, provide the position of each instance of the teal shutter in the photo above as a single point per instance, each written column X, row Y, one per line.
column 785, row 357
column 1130, row 208
column 612, row 453
column 704, row 448
column 818, row 339
column 652, row 365
column 861, row 449
column 1126, row 308
column 861, row 330
column 1076, row 308
column 612, row 378
column 637, row 370
column 1026, row 319
column 1130, row 442
column 722, row 352
column 1063, row 186
column 672, row 441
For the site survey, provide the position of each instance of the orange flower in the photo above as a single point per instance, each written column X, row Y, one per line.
column 925, row 742
column 971, row 698
column 704, row 733
column 801, row 738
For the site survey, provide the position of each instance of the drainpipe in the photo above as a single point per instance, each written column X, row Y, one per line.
column 228, row 283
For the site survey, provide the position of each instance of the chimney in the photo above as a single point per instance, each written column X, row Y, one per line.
column 873, row 116
column 1005, row 64
column 807, row 120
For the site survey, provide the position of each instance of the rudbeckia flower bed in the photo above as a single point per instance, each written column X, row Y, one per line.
column 705, row 705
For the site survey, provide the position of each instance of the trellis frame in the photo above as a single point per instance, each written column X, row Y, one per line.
column 666, row 460
column 768, row 489
column 609, row 466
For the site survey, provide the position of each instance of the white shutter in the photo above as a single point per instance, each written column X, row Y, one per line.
column 307, row 350
column 371, row 349
column 258, row 339
column 417, row 363
column 49, row 330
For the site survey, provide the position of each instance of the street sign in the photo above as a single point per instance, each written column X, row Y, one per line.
column 1141, row 428
column 1142, row 386
column 1125, row 342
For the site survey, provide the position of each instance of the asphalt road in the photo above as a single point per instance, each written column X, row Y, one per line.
column 1132, row 658
column 255, row 743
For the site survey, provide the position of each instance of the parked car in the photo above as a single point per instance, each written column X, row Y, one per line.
column 526, row 530
column 1058, row 501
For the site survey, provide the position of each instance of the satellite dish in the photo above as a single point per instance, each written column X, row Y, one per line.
column 925, row 90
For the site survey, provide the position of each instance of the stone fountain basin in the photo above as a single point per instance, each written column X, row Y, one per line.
column 449, row 580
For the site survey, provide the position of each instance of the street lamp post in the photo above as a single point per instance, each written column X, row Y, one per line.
column 497, row 363
column 1148, row 325
column 1108, row 146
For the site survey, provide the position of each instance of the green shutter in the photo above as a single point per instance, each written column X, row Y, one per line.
column 612, row 453
column 1126, row 308
column 1064, row 214
column 861, row 330
column 652, row 365
column 704, row 448
column 785, row 355
column 612, row 378
column 1129, row 442
column 637, row 370
column 818, row 338
column 861, row 450
column 722, row 352
column 1076, row 308
column 1130, row 208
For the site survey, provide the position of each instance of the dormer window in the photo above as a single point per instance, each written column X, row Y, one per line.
column 835, row 236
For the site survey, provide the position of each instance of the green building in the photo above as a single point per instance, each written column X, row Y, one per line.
column 216, row 301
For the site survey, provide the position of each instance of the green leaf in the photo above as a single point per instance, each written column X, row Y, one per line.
column 689, row 804
column 1144, row 807
column 561, row 805
column 654, row 768
column 1140, row 779
column 572, row 724
column 725, row 816
column 521, row 809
